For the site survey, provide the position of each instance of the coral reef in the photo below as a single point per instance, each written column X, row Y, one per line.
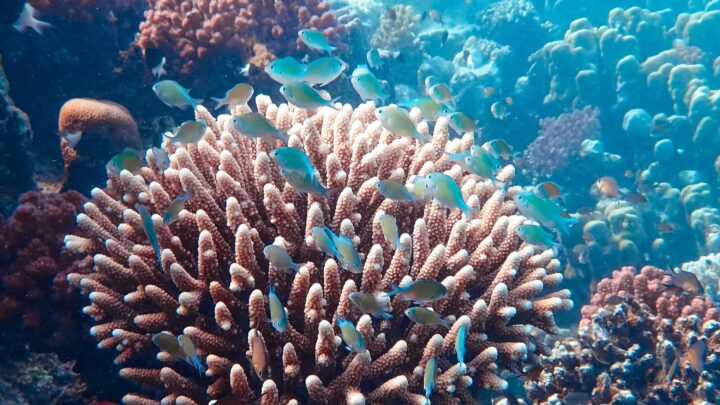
column 189, row 32
column 106, row 129
column 558, row 142
column 37, row 378
column 212, row 280
column 398, row 29
column 33, row 267
column 705, row 269
column 15, row 138
column 638, row 342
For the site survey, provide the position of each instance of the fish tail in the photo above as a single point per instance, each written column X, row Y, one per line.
column 198, row 364
column 446, row 323
column 462, row 368
column 564, row 224
column 394, row 290
column 385, row 315
column 219, row 102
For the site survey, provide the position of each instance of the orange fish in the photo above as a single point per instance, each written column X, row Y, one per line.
column 259, row 357
column 666, row 227
column 696, row 356
column 608, row 187
column 489, row 91
column 684, row 280
column 548, row 189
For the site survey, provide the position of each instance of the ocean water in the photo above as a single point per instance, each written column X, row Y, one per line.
column 359, row 201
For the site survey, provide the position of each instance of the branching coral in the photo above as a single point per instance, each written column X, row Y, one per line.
column 213, row 280
column 191, row 31
column 32, row 266
column 631, row 334
column 398, row 29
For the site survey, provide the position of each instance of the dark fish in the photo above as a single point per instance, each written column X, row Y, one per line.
column 636, row 198
column 600, row 355
column 615, row 300
column 577, row 398
column 153, row 57
column 444, row 37
column 684, row 280
column 666, row 227
column 673, row 368
column 695, row 356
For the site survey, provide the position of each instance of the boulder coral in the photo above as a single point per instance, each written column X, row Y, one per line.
column 213, row 280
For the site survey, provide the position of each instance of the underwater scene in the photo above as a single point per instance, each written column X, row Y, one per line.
column 289, row 202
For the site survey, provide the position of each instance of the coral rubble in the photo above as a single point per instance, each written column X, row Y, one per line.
column 639, row 341
column 213, row 279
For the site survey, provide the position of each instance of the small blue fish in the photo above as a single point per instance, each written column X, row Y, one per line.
column 429, row 109
column 173, row 94
column 168, row 343
column 129, row 159
column 394, row 190
column 461, row 123
column 535, row 235
column 444, row 189
column 149, row 229
column 389, row 227
column 429, row 378
column 368, row 304
column 285, row 70
column 367, row 86
column 460, row 348
column 173, row 210
column 305, row 182
column 191, row 355
column 542, row 210
column 315, row 40
column 278, row 316
column 420, row 291
column 373, row 58
column 352, row 338
column 481, row 163
column 280, row 259
column 188, row 132
column 161, row 158
column 397, row 121
column 238, row 95
column 347, row 254
column 292, row 159
column 323, row 237
column 323, row 71
column 460, row 158
column 256, row 126
column 426, row 316
column 301, row 95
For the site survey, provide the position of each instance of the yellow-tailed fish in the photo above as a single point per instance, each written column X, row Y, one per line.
column 696, row 356
column 499, row 148
column 352, row 338
column 420, row 291
column 542, row 210
column 430, row 81
column 537, row 236
column 322, row 236
column 367, row 86
column 389, row 227
column 368, row 304
column 397, row 121
column 280, row 259
column 429, row 109
column 315, row 40
column 429, row 378
column 173, row 94
column 278, row 316
column 426, row 316
column 441, row 93
column 394, row 190
column 482, row 163
column 323, row 71
column 460, row 348
column 149, row 229
column 188, row 132
column 191, row 355
column 238, row 95
column 173, row 210
column 498, row 110
column 161, row 158
column 461, row 123
column 129, row 159
column 168, row 343
column 301, row 95
column 255, row 126
column 259, row 357
column 608, row 187
column 27, row 19
column 285, row 70
column 347, row 254
column 373, row 58
column 444, row 189
column 305, row 182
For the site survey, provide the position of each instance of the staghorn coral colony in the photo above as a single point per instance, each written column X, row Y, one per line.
column 213, row 280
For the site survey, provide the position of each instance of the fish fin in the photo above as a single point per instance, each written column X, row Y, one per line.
column 27, row 20
column 73, row 138
column 183, row 107
column 197, row 102
column 385, row 315
column 219, row 102
column 245, row 71
column 394, row 290
column 564, row 224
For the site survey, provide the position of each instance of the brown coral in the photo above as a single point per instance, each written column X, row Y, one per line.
column 213, row 280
